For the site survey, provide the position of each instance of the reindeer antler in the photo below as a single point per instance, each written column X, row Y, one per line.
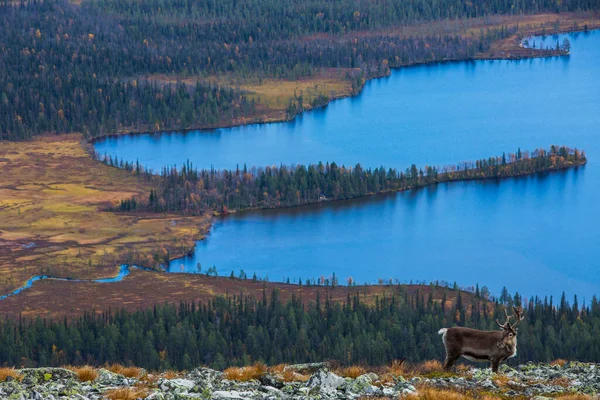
column 519, row 315
column 508, row 317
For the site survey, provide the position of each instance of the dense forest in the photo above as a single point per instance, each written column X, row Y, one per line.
column 85, row 67
column 191, row 191
column 237, row 330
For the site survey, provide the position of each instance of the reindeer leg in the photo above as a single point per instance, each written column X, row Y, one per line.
column 495, row 364
column 449, row 362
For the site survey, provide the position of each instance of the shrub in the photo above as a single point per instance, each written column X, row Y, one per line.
column 130, row 393
column 438, row 394
column 128, row 372
column 245, row 373
column 560, row 362
column 429, row 366
column 396, row 368
column 9, row 372
column 292, row 376
column 85, row 373
column 353, row 371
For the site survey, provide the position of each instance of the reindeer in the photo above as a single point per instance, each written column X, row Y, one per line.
column 482, row 346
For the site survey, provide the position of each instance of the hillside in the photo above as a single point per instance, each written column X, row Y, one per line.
column 308, row 381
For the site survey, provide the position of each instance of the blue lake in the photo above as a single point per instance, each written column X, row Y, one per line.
column 538, row 235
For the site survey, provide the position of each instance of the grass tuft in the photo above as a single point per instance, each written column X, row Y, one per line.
column 561, row 381
column 170, row 374
column 560, row 362
column 440, row 394
column 85, row 373
column 430, row 369
column 244, row 374
column 127, row 372
column 396, row 368
column 277, row 369
column 130, row 393
column 9, row 372
column 291, row 376
column 353, row 371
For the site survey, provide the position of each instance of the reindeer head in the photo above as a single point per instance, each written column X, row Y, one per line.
column 509, row 332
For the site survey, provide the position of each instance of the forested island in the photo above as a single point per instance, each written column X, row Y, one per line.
column 192, row 191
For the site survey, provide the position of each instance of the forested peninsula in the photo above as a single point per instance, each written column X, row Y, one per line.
column 191, row 191
column 119, row 66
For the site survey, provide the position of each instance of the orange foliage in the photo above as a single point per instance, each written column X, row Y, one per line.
column 85, row 373
column 353, row 371
column 290, row 376
column 429, row 366
column 438, row 394
column 395, row 369
column 245, row 373
column 128, row 372
column 6, row 372
column 130, row 393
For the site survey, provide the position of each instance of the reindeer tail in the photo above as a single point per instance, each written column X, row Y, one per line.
column 442, row 331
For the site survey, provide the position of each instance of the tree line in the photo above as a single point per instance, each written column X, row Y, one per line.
column 238, row 330
column 192, row 191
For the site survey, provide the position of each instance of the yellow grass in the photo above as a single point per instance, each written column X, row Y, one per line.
column 245, row 373
column 170, row 374
column 128, row 372
column 130, row 393
column 276, row 94
column 429, row 366
column 291, row 376
column 396, row 368
column 574, row 397
column 438, row 394
column 353, row 371
column 462, row 368
column 501, row 380
column 85, row 373
column 273, row 95
column 277, row 369
column 561, row 381
column 8, row 372
column 52, row 195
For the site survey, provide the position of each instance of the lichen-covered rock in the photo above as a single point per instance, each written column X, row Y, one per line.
column 361, row 385
column 40, row 375
column 205, row 378
column 404, row 388
column 177, row 385
column 234, row 395
column 108, row 378
column 271, row 380
column 532, row 381
column 309, row 368
column 325, row 383
column 273, row 392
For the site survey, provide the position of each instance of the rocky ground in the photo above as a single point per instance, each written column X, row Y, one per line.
column 537, row 381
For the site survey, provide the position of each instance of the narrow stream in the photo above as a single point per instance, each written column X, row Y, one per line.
column 124, row 270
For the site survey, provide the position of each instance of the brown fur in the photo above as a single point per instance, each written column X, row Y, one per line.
column 476, row 345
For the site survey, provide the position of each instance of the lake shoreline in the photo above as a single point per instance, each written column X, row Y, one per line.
column 518, row 53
